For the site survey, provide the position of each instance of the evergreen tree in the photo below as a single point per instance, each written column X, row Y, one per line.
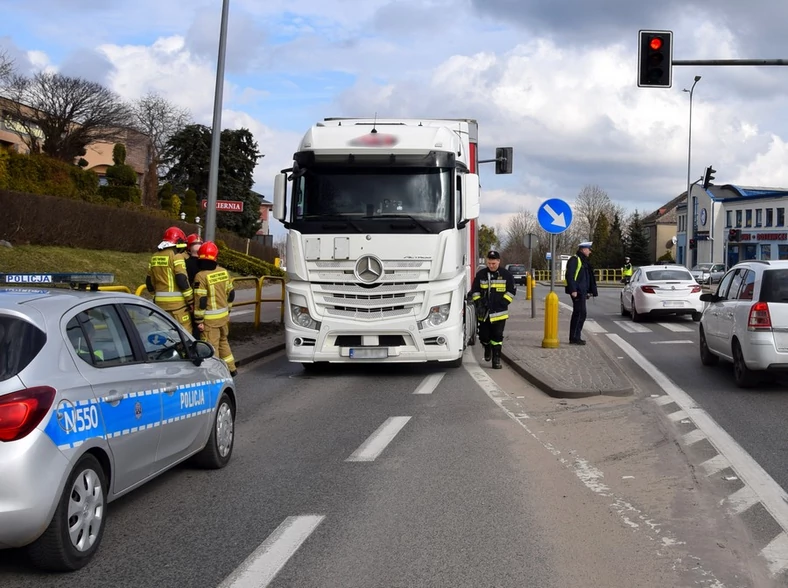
column 165, row 196
column 614, row 249
column 600, row 238
column 487, row 240
column 190, row 205
column 637, row 242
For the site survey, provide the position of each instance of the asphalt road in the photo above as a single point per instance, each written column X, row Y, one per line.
column 269, row 311
column 754, row 417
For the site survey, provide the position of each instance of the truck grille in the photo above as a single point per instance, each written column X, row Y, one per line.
column 369, row 303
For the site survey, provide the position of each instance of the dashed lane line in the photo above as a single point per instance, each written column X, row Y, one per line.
column 265, row 562
column 379, row 440
column 429, row 384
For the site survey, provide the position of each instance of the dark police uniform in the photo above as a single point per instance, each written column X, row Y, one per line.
column 580, row 279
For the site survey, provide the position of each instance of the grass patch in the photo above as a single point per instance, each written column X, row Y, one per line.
column 130, row 269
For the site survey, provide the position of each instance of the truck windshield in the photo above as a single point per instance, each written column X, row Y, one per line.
column 416, row 196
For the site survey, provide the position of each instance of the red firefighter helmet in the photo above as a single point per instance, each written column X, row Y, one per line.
column 209, row 251
column 174, row 235
column 192, row 239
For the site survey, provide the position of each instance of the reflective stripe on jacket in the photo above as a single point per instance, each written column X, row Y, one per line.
column 163, row 268
column 213, row 291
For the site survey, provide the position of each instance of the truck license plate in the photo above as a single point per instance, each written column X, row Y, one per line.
column 369, row 353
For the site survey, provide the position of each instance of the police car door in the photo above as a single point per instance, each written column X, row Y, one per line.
column 126, row 389
column 187, row 397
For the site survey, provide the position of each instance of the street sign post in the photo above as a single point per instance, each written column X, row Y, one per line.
column 554, row 216
column 225, row 205
column 530, row 242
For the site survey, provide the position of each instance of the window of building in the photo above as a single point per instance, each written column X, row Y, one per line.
column 780, row 217
column 102, row 180
column 728, row 219
column 759, row 217
column 738, row 218
column 748, row 217
column 769, row 217
column 782, row 251
column 766, row 251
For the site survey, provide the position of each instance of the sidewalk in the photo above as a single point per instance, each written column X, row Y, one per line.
column 570, row 371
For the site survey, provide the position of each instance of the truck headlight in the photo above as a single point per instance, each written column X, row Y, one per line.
column 438, row 315
column 302, row 318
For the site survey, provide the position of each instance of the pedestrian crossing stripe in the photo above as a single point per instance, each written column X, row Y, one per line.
column 593, row 326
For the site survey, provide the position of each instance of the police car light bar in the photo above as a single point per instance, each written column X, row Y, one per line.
column 72, row 279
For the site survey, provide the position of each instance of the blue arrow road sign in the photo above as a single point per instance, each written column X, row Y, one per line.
column 554, row 216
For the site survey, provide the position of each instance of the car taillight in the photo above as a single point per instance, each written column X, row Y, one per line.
column 759, row 319
column 648, row 289
column 695, row 289
column 20, row 412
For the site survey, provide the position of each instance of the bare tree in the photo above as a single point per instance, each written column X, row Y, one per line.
column 6, row 67
column 590, row 203
column 60, row 115
column 158, row 119
column 517, row 229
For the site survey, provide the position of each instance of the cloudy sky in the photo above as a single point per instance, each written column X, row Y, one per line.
column 554, row 79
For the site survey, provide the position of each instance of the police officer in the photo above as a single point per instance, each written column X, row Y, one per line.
column 492, row 290
column 580, row 285
column 168, row 281
column 626, row 271
column 214, row 297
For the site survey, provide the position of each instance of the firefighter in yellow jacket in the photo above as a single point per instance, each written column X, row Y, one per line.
column 213, row 298
column 168, row 281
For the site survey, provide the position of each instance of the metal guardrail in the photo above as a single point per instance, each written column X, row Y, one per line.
column 259, row 284
column 603, row 276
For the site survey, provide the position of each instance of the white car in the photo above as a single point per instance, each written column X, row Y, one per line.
column 746, row 321
column 708, row 273
column 656, row 290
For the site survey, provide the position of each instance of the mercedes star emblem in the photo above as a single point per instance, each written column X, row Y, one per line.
column 369, row 269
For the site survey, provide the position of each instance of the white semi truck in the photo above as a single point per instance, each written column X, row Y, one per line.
column 382, row 240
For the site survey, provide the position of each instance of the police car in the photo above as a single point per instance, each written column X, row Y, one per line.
column 99, row 393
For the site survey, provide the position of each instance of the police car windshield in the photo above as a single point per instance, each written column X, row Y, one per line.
column 374, row 197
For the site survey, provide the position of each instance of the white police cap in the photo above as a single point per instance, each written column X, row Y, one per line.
column 587, row 244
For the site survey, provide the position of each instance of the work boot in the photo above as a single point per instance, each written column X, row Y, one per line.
column 487, row 352
column 496, row 357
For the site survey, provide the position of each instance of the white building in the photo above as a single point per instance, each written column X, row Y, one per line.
column 734, row 223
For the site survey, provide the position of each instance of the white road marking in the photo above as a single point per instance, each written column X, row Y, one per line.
column 677, row 342
column 771, row 495
column 694, row 436
column 776, row 553
column 676, row 328
column 715, row 465
column 632, row 327
column 594, row 327
column 377, row 442
column 270, row 557
column 741, row 500
column 429, row 384
column 677, row 416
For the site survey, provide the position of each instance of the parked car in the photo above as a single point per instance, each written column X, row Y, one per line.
column 746, row 321
column 518, row 271
column 708, row 273
column 661, row 290
column 100, row 392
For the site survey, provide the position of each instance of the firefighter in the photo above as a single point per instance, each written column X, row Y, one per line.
column 168, row 281
column 492, row 291
column 214, row 297
column 193, row 243
column 626, row 271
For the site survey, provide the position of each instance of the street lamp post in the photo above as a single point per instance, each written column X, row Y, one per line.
column 691, row 203
column 199, row 228
column 216, row 130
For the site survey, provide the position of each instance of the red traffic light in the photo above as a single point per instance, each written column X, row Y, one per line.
column 655, row 43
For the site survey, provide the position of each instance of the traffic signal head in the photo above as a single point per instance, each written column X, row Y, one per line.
column 503, row 160
column 708, row 176
column 655, row 59
column 734, row 235
column 692, row 243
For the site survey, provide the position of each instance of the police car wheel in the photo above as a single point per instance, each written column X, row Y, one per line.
column 75, row 532
column 217, row 452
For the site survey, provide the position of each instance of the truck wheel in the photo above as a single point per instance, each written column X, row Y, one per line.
column 76, row 528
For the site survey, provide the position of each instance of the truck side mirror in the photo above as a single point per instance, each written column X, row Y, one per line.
column 470, row 198
column 280, row 197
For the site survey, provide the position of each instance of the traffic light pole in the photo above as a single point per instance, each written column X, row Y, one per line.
column 769, row 62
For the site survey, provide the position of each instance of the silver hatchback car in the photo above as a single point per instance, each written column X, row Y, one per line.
column 99, row 393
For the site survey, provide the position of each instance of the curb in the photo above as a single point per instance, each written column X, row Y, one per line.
column 240, row 361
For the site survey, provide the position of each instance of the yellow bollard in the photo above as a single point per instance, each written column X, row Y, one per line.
column 550, row 340
column 529, row 287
